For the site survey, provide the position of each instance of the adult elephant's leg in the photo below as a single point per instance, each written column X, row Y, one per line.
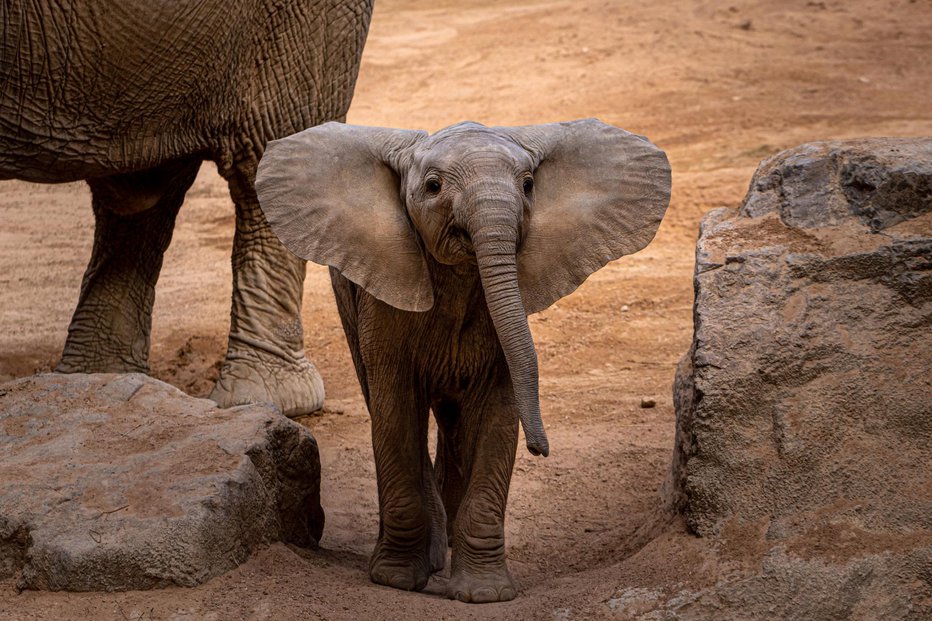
column 265, row 359
column 135, row 216
column 489, row 439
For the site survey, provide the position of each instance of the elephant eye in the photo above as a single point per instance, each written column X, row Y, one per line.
column 528, row 186
column 432, row 186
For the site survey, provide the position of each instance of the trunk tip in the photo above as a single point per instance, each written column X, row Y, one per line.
column 539, row 448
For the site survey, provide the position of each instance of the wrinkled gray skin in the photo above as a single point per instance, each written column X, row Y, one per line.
column 133, row 96
column 439, row 247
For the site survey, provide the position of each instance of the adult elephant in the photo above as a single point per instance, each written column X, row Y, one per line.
column 132, row 96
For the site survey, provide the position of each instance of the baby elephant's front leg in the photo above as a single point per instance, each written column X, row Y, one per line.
column 401, row 558
column 479, row 572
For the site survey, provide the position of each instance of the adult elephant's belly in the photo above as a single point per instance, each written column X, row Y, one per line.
column 56, row 155
column 82, row 97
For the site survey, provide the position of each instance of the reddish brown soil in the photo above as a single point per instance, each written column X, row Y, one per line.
column 717, row 85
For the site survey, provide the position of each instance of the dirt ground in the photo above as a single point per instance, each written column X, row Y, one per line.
column 718, row 85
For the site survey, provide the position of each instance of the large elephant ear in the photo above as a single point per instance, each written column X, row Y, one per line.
column 332, row 195
column 599, row 194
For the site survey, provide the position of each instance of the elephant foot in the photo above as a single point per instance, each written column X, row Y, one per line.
column 481, row 585
column 401, row 570
column 256, row 377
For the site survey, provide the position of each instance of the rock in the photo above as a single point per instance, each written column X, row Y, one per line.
column 876, row 182
column 804, row 406
column 115, row 482
column 648, row 403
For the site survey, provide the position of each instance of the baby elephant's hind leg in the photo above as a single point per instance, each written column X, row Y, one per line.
column 438, row 518
column 448, row 463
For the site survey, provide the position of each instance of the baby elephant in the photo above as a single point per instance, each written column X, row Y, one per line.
column 439, row 246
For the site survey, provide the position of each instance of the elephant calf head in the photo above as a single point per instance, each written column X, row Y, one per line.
column 537, row 208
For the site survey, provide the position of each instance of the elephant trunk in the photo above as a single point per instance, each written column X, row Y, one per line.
column 494, row 236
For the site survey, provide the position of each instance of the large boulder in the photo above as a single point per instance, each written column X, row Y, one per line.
column 114, row 482
column 804, row 406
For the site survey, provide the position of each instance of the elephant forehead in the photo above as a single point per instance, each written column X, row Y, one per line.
column 471, row 145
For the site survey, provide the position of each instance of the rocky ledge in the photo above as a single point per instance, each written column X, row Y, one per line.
column 115, row 482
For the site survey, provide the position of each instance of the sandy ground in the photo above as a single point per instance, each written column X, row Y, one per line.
column 718, row 85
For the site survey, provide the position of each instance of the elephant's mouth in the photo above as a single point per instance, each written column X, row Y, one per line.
column 455, row 246
column 461, row 239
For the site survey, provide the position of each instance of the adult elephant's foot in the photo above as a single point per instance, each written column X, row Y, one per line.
column 408, row 570
column 481, row 584
column 251, row 376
